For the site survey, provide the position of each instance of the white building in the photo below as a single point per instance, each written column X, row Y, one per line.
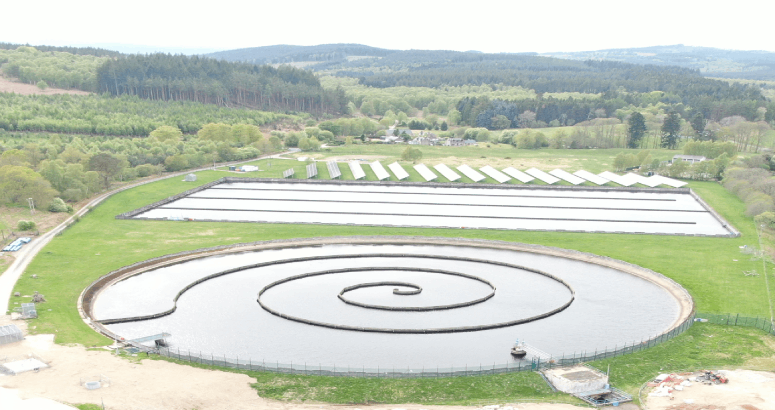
column 691, row 159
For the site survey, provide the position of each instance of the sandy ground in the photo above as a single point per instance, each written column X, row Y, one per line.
column 746, row 390
column 147, row 385
column 8, row 86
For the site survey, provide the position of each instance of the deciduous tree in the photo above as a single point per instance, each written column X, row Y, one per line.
column 107, row 166
column 166, row 132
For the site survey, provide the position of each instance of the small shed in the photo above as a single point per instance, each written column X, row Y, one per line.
column 249, row 168
column 10, row 334
column 190, row 178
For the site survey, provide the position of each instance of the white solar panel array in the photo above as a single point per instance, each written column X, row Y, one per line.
column 447, row 172
column 425, row 172
column 333, row 169
column 542, row 176
column 552, row 177
column 357, row 170
column 312, row 170
column 470, row 173
column 595, row 179
column 566, row 176
column 669, row 181
column 518, row 175
column 494, row 174
column 398, row 171
column 379, row 170
column 615, row 178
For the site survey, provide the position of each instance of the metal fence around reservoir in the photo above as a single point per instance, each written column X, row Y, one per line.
column 317, row 369
column 731, row 319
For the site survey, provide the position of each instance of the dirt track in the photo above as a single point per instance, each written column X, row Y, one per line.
column 8, row 86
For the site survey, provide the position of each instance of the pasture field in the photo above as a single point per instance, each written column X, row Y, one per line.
column 711, row 269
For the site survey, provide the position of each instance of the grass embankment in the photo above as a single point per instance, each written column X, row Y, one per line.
column 703, row 346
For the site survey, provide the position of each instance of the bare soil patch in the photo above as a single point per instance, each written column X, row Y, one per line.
column 10, row 86
column 746, row 389
column 10, row 217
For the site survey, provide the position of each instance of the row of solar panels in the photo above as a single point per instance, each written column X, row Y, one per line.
column 505, row 175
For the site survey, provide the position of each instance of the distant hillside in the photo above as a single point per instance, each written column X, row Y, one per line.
column 711, row 62
column 285, row 54
column 90, row 51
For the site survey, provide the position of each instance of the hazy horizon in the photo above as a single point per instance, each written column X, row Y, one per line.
column 488, row 26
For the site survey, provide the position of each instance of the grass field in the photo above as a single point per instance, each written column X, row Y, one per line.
column 496, row 155
column 710, row 268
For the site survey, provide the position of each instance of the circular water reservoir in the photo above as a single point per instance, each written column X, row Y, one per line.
column 382, row 302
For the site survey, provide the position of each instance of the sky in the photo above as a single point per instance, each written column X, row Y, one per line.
column 482, row 25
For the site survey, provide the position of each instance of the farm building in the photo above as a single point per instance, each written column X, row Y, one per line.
column 689, row 158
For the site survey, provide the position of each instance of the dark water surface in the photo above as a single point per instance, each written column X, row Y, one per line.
column 222, row 316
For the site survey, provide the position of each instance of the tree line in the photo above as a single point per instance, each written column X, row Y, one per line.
column 122, row 116
column 182, row 78
column 70, row 167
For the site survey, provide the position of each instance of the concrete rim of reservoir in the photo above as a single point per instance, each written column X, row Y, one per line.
column 89, row 295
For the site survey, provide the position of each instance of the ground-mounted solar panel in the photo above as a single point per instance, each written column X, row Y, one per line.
column 595, row 179
column 566, row 176
column 633, row 179
column 288, row 173
column 447, row 172
column 312, row 170
column 398, row 171
column 518, row 175
column 542, row 176
column 425, row 172
column 333, row 169
column 379, row 170
column 470, row 173
column 652, row 181
column 357, row 170
column 495, row 174
column 670, row 181
column 616, row 178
